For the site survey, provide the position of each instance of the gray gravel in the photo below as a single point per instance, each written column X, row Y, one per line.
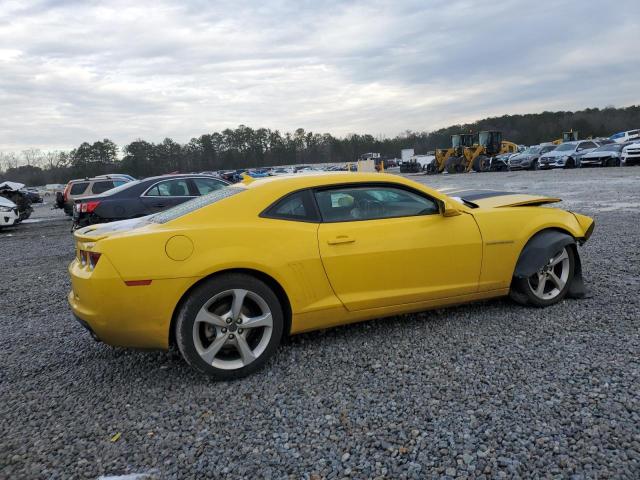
column 486, row 390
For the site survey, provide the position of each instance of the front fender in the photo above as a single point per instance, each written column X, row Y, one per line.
column 543, row 246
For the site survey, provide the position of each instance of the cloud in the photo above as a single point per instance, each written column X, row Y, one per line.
column 76, row 71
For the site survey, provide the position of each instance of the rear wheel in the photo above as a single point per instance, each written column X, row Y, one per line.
column 229, row 326
column 481, row 163
column 548, row 285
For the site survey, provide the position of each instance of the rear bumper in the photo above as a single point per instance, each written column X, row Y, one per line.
column 121, row 315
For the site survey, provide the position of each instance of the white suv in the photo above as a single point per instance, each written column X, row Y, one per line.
column 623, row 137
column 8, row 212
column 631, row 154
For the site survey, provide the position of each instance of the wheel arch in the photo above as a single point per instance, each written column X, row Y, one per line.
column 269, row 280
column 544, row 244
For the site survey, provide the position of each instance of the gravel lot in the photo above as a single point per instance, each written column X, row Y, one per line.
column 485, row 390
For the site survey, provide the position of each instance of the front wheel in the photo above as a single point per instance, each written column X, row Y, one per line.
column 548, row 285
column 229, row 326
column 534, row 165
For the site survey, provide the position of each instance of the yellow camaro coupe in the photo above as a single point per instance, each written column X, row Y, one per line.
column 226, row 276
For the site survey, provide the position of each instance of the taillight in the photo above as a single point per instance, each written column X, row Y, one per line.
column 65, row 193
column 89, row 207
column 88, row 258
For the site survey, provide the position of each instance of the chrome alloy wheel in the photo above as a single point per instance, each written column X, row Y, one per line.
column 550, row 280
column 232, row 329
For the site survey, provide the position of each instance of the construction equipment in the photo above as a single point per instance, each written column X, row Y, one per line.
column 459, row 142
column 478, row 156
column 410, row 166
column 570, row 136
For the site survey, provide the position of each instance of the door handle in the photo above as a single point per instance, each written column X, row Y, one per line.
column 159, row 205
column 341, row 239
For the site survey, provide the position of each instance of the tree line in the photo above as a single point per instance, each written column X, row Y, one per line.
column 245, row 147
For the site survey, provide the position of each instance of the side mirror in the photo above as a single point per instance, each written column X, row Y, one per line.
column 448, row 209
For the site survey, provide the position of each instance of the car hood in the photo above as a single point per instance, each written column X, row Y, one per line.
column 5, row 202
column 523, row 156
column 12, row 186
column 556, row 153
column 496, row 199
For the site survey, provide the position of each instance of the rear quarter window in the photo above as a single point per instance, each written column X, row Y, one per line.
column 297, row 206
column 78, row 188
column 102, row 186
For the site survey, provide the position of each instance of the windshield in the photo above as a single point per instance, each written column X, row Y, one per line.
column 531, row 150
column 610, row 147
column 195, row 204
column 566, row 147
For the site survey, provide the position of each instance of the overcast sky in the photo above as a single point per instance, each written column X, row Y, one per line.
column 74, row 71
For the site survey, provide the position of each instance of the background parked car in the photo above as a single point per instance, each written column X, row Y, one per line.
column 631, row 154
column 142, row 197
column 33, row 195
column 568, row 154
column 8, row 213
column 624, row 137
column 500, row 163
column 607, row 155
column 16, row 193
column 89, row 186
column 528, row 159
column 230, row 176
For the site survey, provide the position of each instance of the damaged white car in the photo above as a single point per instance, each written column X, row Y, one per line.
column 8, row 213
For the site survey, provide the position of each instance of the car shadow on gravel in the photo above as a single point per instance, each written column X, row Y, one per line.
column 154, row 366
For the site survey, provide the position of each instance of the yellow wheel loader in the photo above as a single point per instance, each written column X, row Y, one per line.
column 459, row 142
column 569, row 136
column 478, row 157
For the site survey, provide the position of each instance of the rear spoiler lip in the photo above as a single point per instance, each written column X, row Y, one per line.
column 533, row 202
column 87, row 237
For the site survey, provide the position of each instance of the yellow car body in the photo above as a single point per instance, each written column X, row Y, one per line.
column 325, row 273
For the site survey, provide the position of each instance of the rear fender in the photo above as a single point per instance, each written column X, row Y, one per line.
column 540, row 248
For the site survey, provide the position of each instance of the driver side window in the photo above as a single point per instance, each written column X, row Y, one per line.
column 345, row 204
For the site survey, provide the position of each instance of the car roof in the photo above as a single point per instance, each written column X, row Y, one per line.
column 100, row 178
column 319, row 179
column 169, row 176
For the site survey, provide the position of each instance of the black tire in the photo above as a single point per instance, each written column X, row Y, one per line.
column 571, row 163
column 523, row 292
column 481, row 163
column 454, row 165
column 432, row 167
column 534, row 165
column 199, row 297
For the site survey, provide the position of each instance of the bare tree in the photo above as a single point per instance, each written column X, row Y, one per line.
column 8, row 160
column 33, row 157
